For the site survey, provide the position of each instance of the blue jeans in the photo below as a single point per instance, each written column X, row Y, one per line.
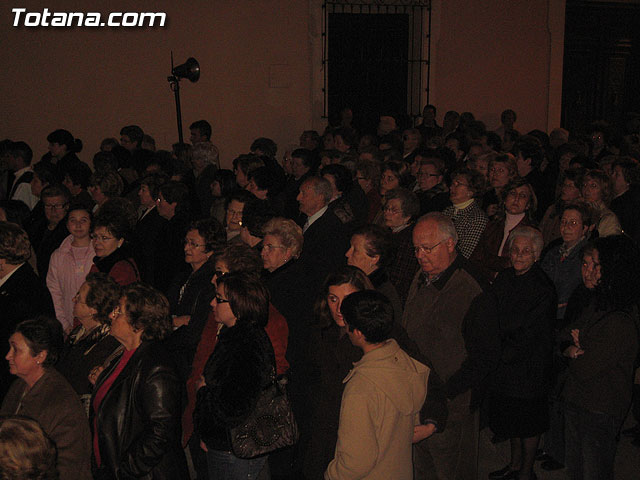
column 590, row 443
column 226, row 466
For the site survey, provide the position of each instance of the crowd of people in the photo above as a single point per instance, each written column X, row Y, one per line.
column 408, row 287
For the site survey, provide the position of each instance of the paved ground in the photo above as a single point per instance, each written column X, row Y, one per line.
column 493, row 457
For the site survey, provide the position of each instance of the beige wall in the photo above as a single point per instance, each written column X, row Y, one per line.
column 492, row 55
column 261, row 72
column 254, row 58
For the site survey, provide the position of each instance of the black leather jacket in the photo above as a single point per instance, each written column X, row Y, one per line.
column 139, row 418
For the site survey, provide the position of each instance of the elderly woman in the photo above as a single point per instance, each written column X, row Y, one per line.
column 70, row 264
column 289, row 285
column 191, row 291
column 400, row 213
column 114, row 256
column 570, row 191
column 148, row 227
column 204, row 161
column 467, row 216
column 104, row 185
column 173, row 204
column 601, row 346
column 241, row 366
column 432, row 191
column 89, row 345
column 204, row 238
column 562, row 262
column 26, row 451
column 596, row 190
column 501, row 170
column 519, row 205
column 40, row 392
column 372, row 250
column 22, row 294
column 137, row 400
column 525, row 304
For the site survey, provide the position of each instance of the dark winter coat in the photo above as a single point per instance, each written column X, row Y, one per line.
column 238, row 370
column 526, row 306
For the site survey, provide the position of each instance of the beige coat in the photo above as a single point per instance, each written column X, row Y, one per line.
column 382, row 397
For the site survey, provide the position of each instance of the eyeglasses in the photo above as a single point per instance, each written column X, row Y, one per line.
column 219, row 273
column 391, row 210
column 568, row 223
column 220, row 300
column 457, row 183
column 268, row 246
column 76, row 298
column 101, row 238
column 423, row 249
column 189, row 243
column 55, row 206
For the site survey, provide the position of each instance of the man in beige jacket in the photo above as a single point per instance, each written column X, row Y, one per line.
column 382, row 397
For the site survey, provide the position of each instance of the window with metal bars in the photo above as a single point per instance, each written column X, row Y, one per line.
column 375, row 57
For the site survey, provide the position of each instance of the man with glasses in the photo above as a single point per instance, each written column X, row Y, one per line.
column 55, row 200
column 448, row 316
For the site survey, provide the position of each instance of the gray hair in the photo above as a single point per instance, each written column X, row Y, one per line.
column 445, row 225
column 533, row 234
column 207, row 152
column 321, row 186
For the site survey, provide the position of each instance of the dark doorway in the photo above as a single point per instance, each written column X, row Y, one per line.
column 601, row 63
column 367, row 65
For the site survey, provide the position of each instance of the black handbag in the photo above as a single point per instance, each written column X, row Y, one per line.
column 270, row 427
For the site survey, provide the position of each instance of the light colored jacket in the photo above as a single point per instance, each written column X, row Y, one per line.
column 65, row 277
column 380, row 404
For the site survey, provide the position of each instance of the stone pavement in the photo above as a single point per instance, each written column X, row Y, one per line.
column 493, row 457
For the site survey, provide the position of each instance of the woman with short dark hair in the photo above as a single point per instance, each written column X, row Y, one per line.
column 372, row 251
column 137, row 400
column 40, row 392
column 240, row 368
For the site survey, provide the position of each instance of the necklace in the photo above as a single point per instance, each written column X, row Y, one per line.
column 79, row 263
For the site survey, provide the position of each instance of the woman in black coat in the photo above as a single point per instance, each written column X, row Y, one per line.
column 240, row 367
column 601, row 346
column 525, row 303
column 137, row 402
column 191, row 291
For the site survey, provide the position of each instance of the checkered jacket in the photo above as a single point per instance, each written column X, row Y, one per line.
column 470, row 222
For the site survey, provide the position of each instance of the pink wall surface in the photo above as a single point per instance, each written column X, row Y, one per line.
column 492, row 55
